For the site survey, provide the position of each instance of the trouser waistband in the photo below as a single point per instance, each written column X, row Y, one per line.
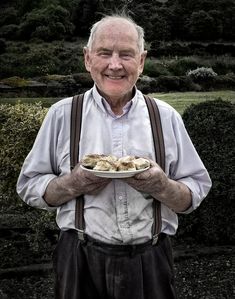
column 116, row 248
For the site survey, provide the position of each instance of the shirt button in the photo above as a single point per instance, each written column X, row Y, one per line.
column 120, row 197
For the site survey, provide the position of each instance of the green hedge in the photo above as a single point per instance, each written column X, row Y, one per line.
column 211, row 126
column 19, row 125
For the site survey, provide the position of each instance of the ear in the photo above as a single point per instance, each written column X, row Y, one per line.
column 86, row 53
column 142, row 61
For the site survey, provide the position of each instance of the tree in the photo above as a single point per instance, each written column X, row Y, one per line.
column 49, row 23
column 201, row 26
column 83, row 16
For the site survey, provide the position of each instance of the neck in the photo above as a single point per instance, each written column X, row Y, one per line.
column 117, row 103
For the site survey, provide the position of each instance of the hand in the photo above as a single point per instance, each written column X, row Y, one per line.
column 85, row 182
column 152, row 181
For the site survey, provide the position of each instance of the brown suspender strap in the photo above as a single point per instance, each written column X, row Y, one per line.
column 159, row 147
column 75, row 132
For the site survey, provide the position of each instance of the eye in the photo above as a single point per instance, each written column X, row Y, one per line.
column 104, row 53
column 126, row 55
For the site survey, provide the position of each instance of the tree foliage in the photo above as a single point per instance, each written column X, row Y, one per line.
column 51, row 22
column 162, row 20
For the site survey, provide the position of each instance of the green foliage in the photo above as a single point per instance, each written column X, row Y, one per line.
column 9, row 31
column 182, row 48
column 201, row 25
column 49, row 23
column 37, row 59
column 204, row 76
column 155, row 68
column 8, row 16
column 201, row 74
column 225, row 81
column 19, row 125
column 15, row 81
column 211, row 126
column 175, row 20
column 2, row 46
column 175, row 83
column 180, row 66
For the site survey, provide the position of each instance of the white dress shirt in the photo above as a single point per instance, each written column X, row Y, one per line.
column 118, row 214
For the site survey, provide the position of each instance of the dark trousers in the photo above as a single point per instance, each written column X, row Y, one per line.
column 93, row 270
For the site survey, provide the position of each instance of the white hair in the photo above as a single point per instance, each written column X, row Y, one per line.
column 94, row 28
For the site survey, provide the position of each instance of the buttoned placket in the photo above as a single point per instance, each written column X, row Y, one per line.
column 121, row 200
column 120, row 194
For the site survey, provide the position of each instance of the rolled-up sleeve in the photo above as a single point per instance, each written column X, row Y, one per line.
column 187, row 167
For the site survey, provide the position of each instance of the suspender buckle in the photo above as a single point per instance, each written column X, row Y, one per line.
column 155, row 239
column 81, row 235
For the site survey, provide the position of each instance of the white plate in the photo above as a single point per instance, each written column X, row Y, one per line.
column 114, row 174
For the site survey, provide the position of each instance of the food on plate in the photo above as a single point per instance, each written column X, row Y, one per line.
column 126, row 159
column 90, row 161
column 111, row 163
column 105, row 165
column 141, row 163
column 126, row 166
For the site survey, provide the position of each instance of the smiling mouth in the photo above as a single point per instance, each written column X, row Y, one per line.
column 115, row 77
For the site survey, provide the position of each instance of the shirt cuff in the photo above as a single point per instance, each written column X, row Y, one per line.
column 195, row 193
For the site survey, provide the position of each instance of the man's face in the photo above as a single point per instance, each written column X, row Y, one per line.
column 114, row 60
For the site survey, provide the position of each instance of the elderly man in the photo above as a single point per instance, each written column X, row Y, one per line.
column 116, row 256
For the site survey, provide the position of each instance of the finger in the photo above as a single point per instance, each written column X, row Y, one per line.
column 145, row 175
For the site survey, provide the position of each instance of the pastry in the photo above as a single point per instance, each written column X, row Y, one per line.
column 90, row 161
column 126, row 159
column 105, row 165
column 141, row 163
column 126, row 166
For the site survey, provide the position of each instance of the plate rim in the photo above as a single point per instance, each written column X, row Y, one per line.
column 112, row 174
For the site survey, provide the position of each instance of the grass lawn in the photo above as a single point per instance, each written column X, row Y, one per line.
column 179, row 100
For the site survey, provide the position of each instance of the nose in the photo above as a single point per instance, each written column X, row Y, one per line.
column 115, row 62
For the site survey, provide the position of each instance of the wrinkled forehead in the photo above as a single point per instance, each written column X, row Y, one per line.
column 116, row 30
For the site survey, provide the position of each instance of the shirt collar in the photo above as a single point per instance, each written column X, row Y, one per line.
column 105, row 107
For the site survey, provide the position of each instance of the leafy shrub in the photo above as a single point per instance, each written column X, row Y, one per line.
column 211, row 125
column 8, row 15
column 202, row 73
column 19, row 125
column 147, row 84
column 9, row 31
column 38, row 59
column 180, row 66
column 223, row 65
column 225, row 81
column 58, row 78
column 84, row 79
column 220, row 49
column 182, row 48
column 169, row 48
column 2, row 46
column 175, row 83
column 14, row 81
column 155, row 68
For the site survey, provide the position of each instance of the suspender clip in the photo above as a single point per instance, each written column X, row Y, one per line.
column 81, row 235
column 155, row 239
